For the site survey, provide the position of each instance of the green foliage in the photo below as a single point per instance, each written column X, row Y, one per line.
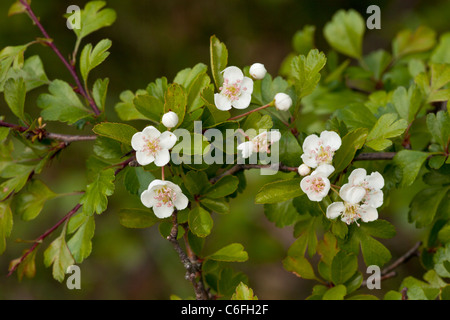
column 95, row 199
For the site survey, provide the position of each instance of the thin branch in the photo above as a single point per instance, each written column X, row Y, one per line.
column 39, row 240
column 69, row 67
column 375, row 156
column 193, row 268
column 249, row 112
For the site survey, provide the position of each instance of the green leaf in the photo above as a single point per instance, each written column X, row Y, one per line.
column 80, row 245
column 407, row 103
column 357, row 116
column 31, row 201
column 445, row 293
column 99, row 91
column 279, row 191
column 439, row 126
column 11, row 56
column 289, row 149
column 27, row 267
column 200, row 222
column 441, row 260
column 93, row 57
column 126, row 110
column 32, row 73
column 17, row 8
column 363, row 297
column 306, row 72
column 6, row 224
column 136, row 180
column 440, row 53
column 336, row 293
column 223, row 187
column 425, row 204
column 216, row 205
column 243, row 293
column 232, row 253
column 345, row 33
column 17, row 176
column 194, row 80
column 149, row 106
column 407, row 42
column 351, row 142
column 229, row 280
column 62, row 104
column 343, row 267
column 219, row 60
column 58, row 255
column 95, row 199
column 137, row 218
column 433, row 82
column 15, row 92
column 300, row 266
column 281, row 213
column 196, row 182
column 410, row 162
column 303, row 40
column 378, row 62
column 379, row 228
column 93, row 17
column 385, row 128
column 117, row 131
column 175, row 100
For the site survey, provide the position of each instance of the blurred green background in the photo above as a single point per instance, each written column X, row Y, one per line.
column 152, row 39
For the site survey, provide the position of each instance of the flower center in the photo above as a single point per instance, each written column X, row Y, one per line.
column 316, row 184
column 231, row 90
column 324, row 154
column 261, row 143
column 165, row 197
column 351, row 213
column 152, row 146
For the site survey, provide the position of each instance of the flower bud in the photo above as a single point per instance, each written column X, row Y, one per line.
column 170, row 119
column 304, row 170
column 283, row 101
column 257, row 71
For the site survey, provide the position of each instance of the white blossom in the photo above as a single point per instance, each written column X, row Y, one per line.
column 164, row 197
column 260, row 143
column 282, row 101
column 236, row 90
column 153, row 146
column 364, row 188
column 351, row 212
column 257, row 71
column 304, row 170
column 170, row 119
column 320, row 150
column 316, row 186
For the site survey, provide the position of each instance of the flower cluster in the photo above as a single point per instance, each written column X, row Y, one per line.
column 362, row 194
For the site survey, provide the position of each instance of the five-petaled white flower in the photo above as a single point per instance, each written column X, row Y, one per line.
column 153, row 146
column 320, row 150
column 364, row 188
column 316, row 186
column 362, row 195
column 260, row 143
column 164, row 197
column 236, row 90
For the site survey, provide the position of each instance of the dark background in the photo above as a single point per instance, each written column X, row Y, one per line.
column 152, row 39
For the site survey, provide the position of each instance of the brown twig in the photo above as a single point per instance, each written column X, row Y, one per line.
column 249, row 112
column 69, row 67
column 193, row 268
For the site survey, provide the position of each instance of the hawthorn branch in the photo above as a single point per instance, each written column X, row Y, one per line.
column 389, row 271
column 193, row 268
column 53, row 136
column 69, row 67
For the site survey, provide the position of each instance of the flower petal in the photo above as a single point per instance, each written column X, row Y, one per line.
column 243, row 101
column 357, row 176
column 309, row 160
column 273, row 136
column 311, row 143
column 222, row 102
column 156, row 183
column 246, row 148
column 233, row 74
column 143, row 158
column 375, row 180
column 323, row 170
column 352, row 194
column 163, row 211
column 247, row 85
column 335, row 209
column 151, row 132
column 181, row 202
column 162, row 158
column 167, row 140
column 374, row 198
column 137, row 141
column 368, row 213
column 148, row 198
column 332, row 139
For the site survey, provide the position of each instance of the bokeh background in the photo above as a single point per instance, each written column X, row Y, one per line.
column 158, row 38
